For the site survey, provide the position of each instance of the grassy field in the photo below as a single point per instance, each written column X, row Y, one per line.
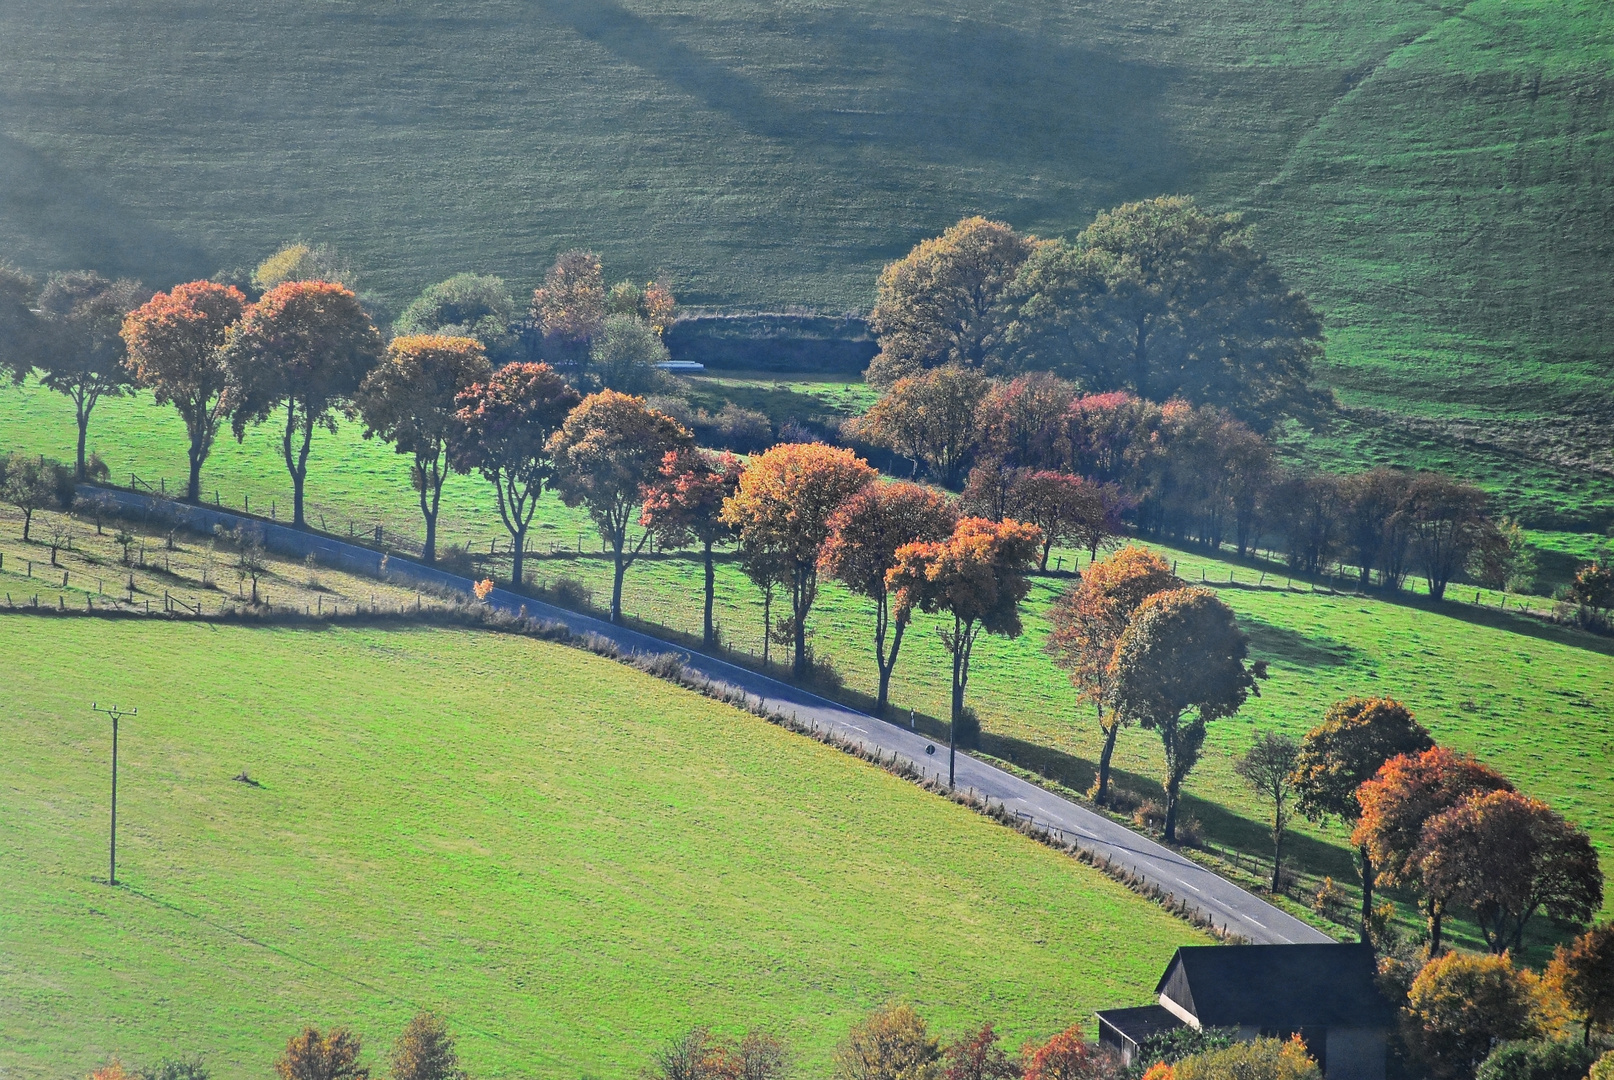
column 570, row 859
column 1534, row 700
column 1435, row 174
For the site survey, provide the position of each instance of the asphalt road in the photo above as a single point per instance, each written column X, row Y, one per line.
column 1223, row 902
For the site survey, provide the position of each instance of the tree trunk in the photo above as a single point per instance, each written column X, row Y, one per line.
column 1277, row 856
column 518, row 555
column 431, row 483
column 193, row 487
column 618, row 569
column 1047, row 545
column 798, row 596
column 27, row 522
column 1172, row 785
column 887, row 665
column 959, row 660
column 1104, row 756
column 1436, row 911
column 83, row 437
column 1367, row 887
column 708, row 631
column 767, row 625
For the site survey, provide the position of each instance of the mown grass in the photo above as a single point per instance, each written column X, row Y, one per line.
column 570, row 859
column 1532, row 699
column 1433, row 174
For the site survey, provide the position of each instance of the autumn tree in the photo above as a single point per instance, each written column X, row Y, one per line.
column 1373, row 522
column 1460, row 1006
column 570, row 305
column 936, row 305
column 1180, row 664
column 1583, row 972
column 1259, row 1059
column 685, row 503
column 1165, row 300
column 654, row 303
column 1068, row 509
column 305, row 348
column 930, row 418
column 1397, row 801
column 893, row 1043
column 865, row 535
column 466, row 305
column 502, row 430
column 977, row 1056
column 1268, row 767
column 608, row 451
column 425, row 1051
column 1068, row 1056
column 81, row 350
column 1088, row 620
column 303, row 262
column 175, row 344
column 976, row 576
column 34, row 483
column 1357, row 736
column 410, row 399
column 1507, row 856
column 19, row 326
column 1448, row 523
column 1020, row 421
column 1593, row 586
column 783, row 506
column 331, row 1056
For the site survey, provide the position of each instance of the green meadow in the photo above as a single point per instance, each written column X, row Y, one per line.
column 1434, row 175
column 1533, row 699
column 570, row 860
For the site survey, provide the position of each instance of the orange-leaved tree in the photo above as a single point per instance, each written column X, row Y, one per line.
column 1399, row 800
column 570, row 306
column 1180, row 664
column 1089, row 618
column 930, row 418
column 1461, row 1005
column 685, row 502
column 1507, row 856
column 411, row 400
column 1583, row 972
column 606, row 454
column 786, row 499
column 1357, row 736
column 305, row 347
column 977, row 576
column 176, row 350
column 502, row 430
column 1069, row 1056
column 864, row 537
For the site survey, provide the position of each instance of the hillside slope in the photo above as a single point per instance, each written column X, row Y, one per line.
column 569, row 859
column 1435, row 174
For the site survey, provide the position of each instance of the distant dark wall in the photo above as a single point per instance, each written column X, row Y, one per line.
column 819, row 343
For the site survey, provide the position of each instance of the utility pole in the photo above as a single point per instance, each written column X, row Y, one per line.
column 112, row 847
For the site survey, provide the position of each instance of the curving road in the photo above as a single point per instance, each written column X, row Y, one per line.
column 1218, row 899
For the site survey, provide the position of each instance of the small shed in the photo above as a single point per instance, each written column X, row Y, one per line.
column 1326, row 994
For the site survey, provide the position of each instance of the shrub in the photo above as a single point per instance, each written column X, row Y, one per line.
column 1604, row 1069
column 968, row 735
column 1460, row 1006
column 425, row 1051
column 1122, row 800
column 112, row 1070
column 1263, row 1059
column 1190, row 832
column 456, row 559
column 1537, row 1059
column 1149, row 815
column 175, row 1069
column 977, row 1056
column 571, row 592
column 892, row 1044
column 1177, row 1043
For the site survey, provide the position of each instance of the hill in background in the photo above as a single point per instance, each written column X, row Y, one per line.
column 1436, row 175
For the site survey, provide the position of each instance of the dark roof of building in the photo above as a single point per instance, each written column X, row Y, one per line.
column 1138, row 1024
column 1277, row 986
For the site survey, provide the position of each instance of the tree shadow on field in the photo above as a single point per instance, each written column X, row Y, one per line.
column 949, row 91
column 56, row 218
column 1294, row 649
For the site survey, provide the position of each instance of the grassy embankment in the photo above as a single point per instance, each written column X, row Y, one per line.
column 558, row 852
column 1532, row 699
column 1434, row 175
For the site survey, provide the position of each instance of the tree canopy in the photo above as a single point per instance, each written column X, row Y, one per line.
column 570, row 305
column 466, row 305
column 305, row 347
column 936, row 305
column 929, row 417
column 1165, row 300
column 410, row 400
column 176, row 350
column 19, row 327
column 82, row 351
column 685, row 502
column 1180, row 664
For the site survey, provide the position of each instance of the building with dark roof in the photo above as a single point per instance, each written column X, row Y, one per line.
column 1326, row 994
